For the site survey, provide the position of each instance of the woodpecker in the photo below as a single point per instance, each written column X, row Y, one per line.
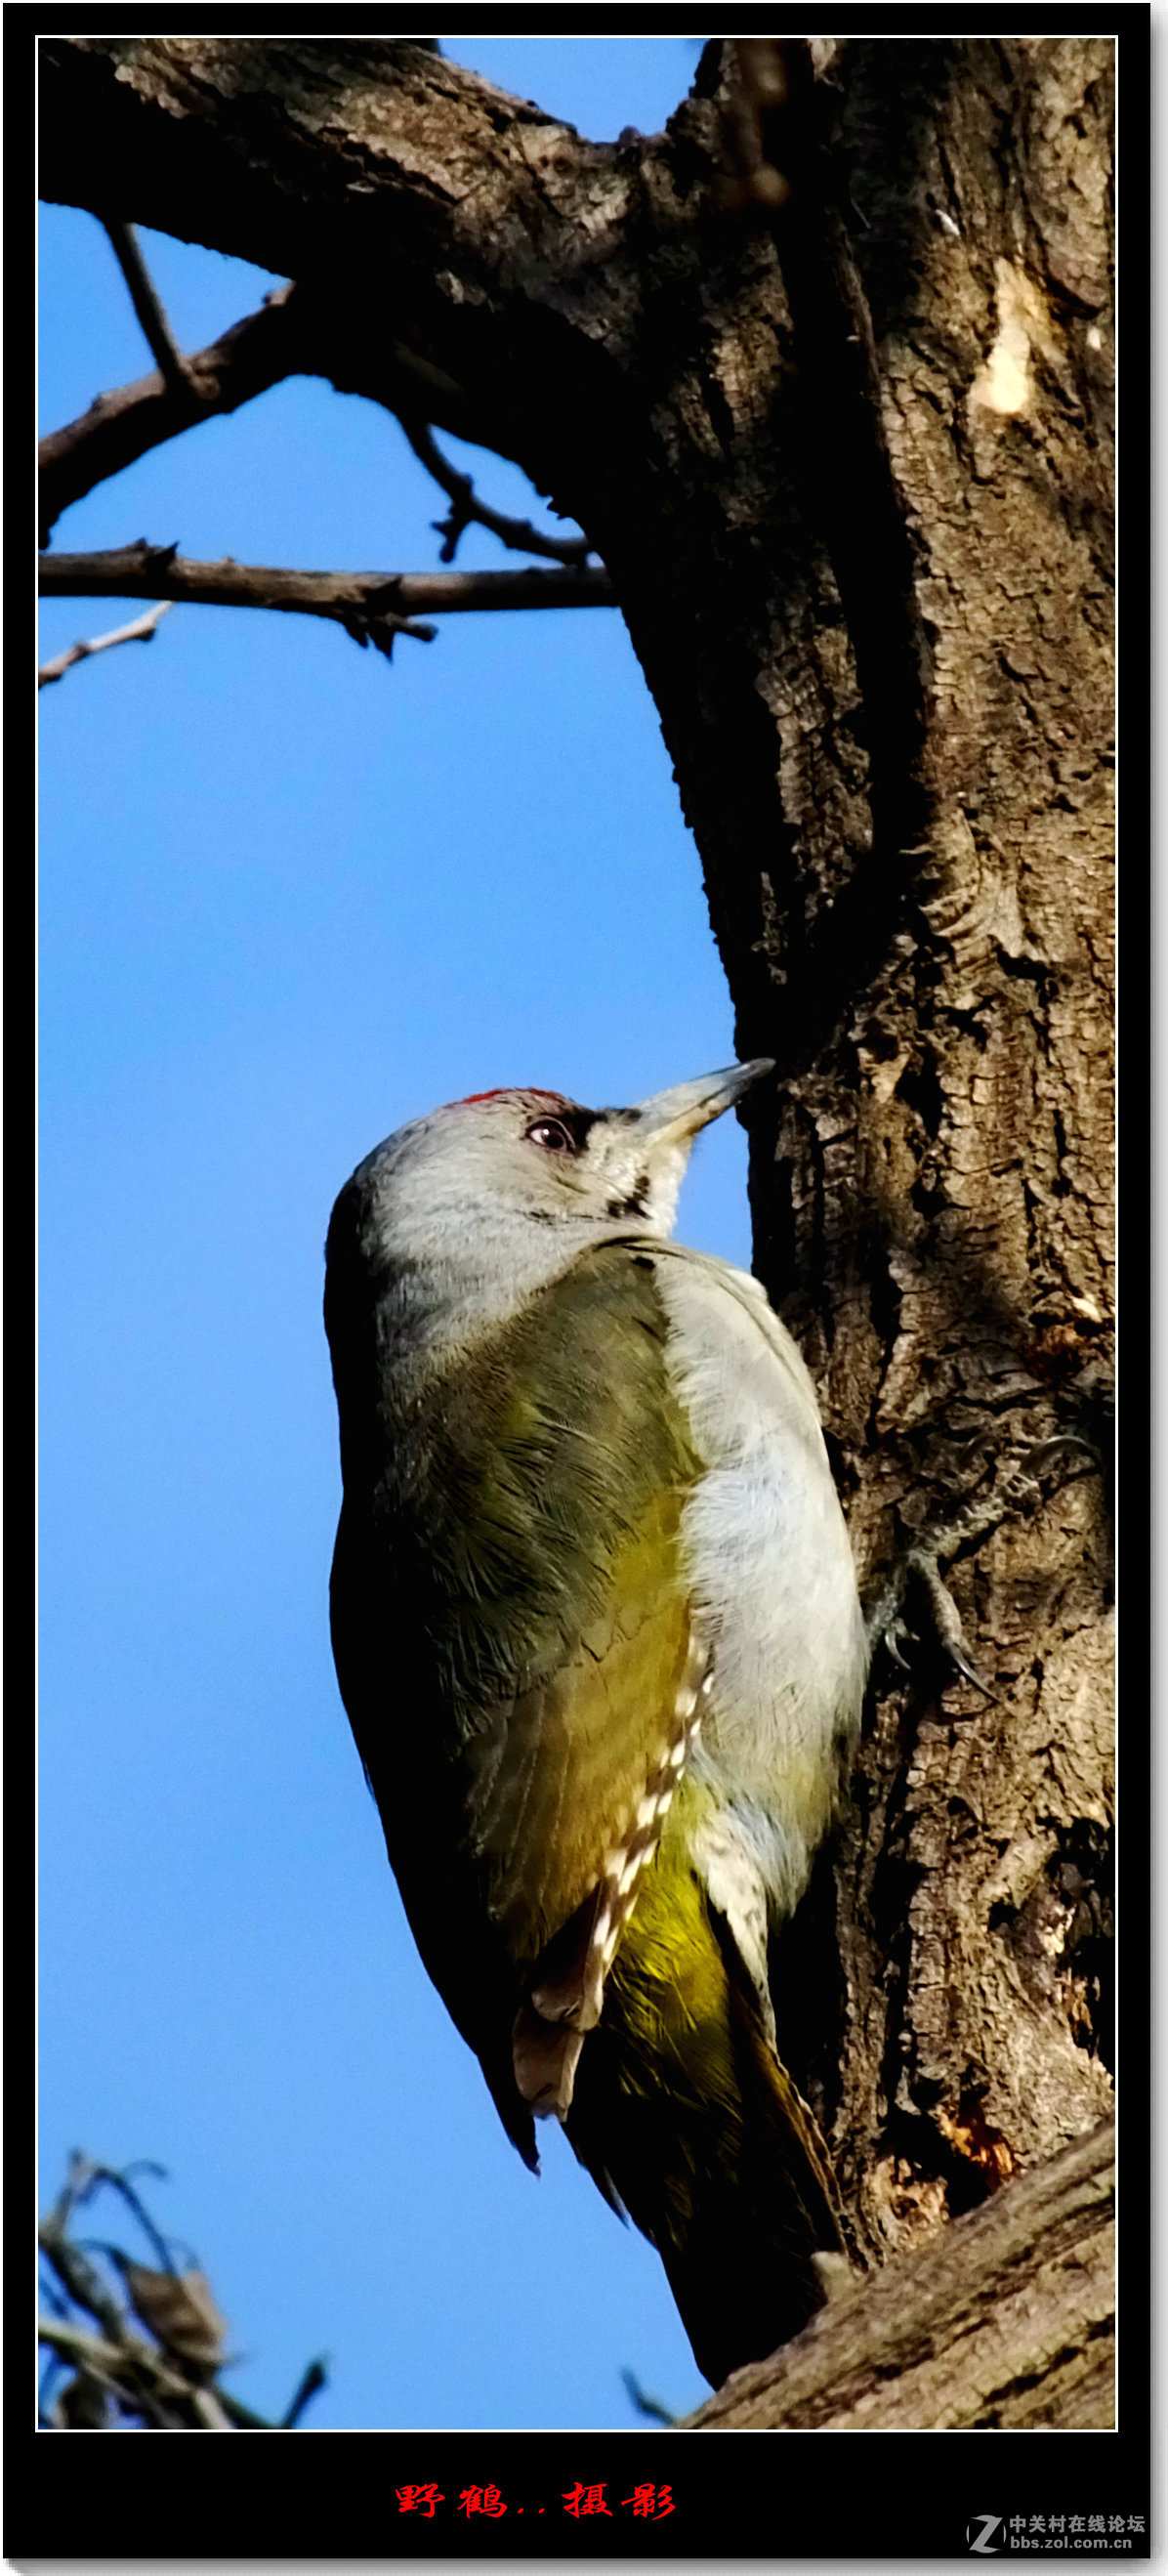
column 596, row 1627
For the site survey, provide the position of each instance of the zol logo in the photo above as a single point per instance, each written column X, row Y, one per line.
column 981, row 2535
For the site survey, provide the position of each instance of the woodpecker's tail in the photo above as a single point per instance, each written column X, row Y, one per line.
column 683, row 2113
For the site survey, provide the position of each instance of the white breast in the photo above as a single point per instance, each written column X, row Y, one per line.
column 771, row 1568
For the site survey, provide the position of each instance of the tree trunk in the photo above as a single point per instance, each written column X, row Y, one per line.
column 847, row 458
column 1003, row 2322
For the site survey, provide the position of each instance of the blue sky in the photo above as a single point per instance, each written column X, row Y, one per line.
column 290, row 897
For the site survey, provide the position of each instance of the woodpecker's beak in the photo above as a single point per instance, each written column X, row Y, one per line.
column 674, row 1117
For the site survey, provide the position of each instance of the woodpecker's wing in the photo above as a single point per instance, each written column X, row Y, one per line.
column 683, row 2110
column 518, row 1656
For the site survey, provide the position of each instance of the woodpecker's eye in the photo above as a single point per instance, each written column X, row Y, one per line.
column 552, row 1134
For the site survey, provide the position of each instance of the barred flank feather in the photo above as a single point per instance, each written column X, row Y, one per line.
column 684, row 2114
column 567, row 1989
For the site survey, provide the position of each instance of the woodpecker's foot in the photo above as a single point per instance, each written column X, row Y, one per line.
column 916, row 1603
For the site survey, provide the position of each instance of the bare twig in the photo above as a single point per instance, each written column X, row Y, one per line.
column 650, row 2407
column 141, row 2379
column 466, row 511
column 55, row 2297
column 120, row 2182
column 80, row 2177
column 78, row 2276
column 49, row 2378
column 146, row 302
column 374, row 608
column 170, row 2384
column 288, row 336
column 315, row 2378
column 209, row 2412
column 108, row 2355
column 119, row 427
column 141, row 631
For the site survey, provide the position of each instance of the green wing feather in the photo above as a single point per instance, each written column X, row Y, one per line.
column 512, row 1630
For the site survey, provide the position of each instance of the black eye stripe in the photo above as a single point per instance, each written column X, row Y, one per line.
column 574, row 1124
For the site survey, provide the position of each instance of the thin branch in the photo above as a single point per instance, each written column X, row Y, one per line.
column 374, row 608
column 78, row 2276
column 286, row 337
column 467, row 511
column 49, row 2375
column 650, row 2407
column 142, row 2379
column 315, row 2378
column 108, row 2367
column 118, row 428
column 109, row 2355
column 80, row 2177
column 172, row 2383
column 208, row 2410
column 120, row 2182
column 141, row 631
column 55, row 2297
column 147, row 304
column 135, row 2376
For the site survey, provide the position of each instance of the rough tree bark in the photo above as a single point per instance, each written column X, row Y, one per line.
column 843, row 442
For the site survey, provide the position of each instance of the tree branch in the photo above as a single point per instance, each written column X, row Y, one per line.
column 412, row 199
column 282, row 339
column 109, row 2361
column 78, row 2275
column 141, row 631
column 1004, row 2320
column 314, row 2379
column 173, row 2384
column 119, row 427
column 467, row 511
column 303, row 167
column 146, row 301
column 372, row 607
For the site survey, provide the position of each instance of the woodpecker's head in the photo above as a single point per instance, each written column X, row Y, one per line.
column 533, row 1158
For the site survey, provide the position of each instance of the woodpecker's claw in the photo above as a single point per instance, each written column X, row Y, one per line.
column 938, row 1616
column 946, row 1618
column 963, row 1665
column 891, row 1643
